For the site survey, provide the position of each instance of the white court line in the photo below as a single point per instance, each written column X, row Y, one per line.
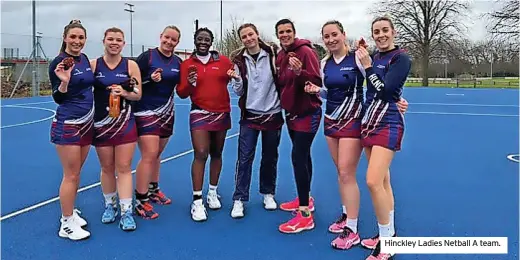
column 461, row 114
column 512, row 157
column 471, row 105
column 47, row 102
column 427, row 113
column 32, row 103
column 454, row 94
column 435, row 104
column 49, row 201
column 30, row 122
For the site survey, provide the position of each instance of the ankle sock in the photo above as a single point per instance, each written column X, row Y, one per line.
column 153, row 187
column 125, row 204
column 110, row 199
column 352, row 224
column 212, row 188
column 384, row 230
column 197, row 195
column 141, row 197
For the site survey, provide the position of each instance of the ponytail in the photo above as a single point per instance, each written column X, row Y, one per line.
column 63, row 46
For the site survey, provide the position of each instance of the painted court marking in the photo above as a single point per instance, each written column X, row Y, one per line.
column 514, row 157
column 49, row 201
column 30, row 122
column 454, row 94
column 462, row 114
column 31, row 103
column 470, row 105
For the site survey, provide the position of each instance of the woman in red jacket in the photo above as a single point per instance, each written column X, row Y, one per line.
column 204, row 78
column 299, row 64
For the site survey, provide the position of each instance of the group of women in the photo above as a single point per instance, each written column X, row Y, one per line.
column 116, row 104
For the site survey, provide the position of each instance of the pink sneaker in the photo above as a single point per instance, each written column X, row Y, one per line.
column 346, row 240
column 297, row 224
column 294, row 205
column 370, row 243
column 337, row 227
column 377, row 255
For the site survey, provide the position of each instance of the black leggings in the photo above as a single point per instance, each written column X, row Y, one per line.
column 302, row 163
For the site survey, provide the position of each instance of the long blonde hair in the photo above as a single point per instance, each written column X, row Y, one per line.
column 340, row 27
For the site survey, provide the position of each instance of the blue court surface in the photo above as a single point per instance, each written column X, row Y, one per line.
column 453, row 178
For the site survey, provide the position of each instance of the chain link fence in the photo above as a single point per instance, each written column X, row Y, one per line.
column 18, row 69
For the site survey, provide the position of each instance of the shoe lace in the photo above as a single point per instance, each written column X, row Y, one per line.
column 341, row 219
column 127, row 218
column 160, row 194
column 147, row 206
column 296, row 219
column 214, row 195
column 346, row 232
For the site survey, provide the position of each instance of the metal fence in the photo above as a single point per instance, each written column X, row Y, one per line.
column 18, row 68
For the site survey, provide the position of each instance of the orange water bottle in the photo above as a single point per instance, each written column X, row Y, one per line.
column 114, row 105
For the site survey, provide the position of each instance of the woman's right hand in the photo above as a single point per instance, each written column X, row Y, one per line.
column 156, row 75
column 62, row 74
column 311, row 88
column 232, row 74
column 192, row 77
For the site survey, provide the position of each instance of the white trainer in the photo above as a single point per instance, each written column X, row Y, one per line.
column 198, row 211
column 238, row 209
column 72, row 230
column 81, row 221
column 269, row 202
column 213, row 200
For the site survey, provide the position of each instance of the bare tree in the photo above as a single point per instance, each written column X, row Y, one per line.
column 503, row 23
column 424, row 27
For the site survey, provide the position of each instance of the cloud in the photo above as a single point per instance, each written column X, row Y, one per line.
column 151, row 17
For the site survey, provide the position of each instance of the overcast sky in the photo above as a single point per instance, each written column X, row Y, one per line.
column 151, row 17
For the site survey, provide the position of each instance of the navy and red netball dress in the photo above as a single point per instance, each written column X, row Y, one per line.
column 73, row 123
column 343, row 82
column 112, row 131
column 155, row 112
column 383, row 124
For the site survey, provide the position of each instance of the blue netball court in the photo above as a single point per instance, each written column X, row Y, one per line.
column 457, row 176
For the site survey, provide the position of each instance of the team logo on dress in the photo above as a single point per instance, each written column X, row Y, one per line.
column 100, row 75
column 77, row 72
column 346, row 68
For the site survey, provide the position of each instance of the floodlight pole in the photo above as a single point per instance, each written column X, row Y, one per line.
column 131, row 11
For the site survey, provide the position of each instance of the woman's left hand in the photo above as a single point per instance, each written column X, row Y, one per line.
column 402, row 105
column 118, row 90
